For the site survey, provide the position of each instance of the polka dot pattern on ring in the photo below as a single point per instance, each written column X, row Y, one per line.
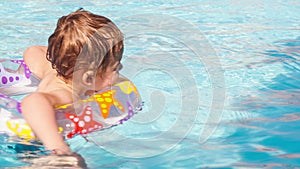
column 84, row 123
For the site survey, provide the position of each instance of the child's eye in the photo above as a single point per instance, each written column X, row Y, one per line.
column 118, row 68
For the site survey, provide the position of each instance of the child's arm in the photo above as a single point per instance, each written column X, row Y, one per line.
column 38, row 111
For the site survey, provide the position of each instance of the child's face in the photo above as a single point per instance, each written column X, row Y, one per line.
column 109, row 78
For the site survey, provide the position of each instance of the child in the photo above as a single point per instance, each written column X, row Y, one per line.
column 83, row 55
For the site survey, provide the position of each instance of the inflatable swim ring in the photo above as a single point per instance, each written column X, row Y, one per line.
column 16, row 78
column 102, row 110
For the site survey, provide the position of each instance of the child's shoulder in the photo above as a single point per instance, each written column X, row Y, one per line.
column 35, row 59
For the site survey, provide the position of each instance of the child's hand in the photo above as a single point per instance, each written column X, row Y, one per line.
column 73, row 160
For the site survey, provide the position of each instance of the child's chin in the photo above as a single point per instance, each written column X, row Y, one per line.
column 102, row 88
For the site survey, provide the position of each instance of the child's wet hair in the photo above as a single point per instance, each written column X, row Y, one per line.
column 83, row 40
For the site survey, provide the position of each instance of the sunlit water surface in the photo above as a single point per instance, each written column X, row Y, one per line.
column 219, row 79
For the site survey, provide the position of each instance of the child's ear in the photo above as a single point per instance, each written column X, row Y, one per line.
column 88, row 78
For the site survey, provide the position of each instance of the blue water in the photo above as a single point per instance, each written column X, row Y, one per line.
column 220, row 81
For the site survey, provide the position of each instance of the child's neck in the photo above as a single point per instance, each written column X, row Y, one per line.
column 77, row 90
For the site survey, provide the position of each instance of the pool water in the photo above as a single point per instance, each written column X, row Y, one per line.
column 220, row 82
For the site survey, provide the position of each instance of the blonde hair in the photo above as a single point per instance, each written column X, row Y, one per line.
column 83, row 40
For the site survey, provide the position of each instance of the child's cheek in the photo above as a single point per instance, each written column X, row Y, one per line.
column 102, row 83
column 115, row 77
